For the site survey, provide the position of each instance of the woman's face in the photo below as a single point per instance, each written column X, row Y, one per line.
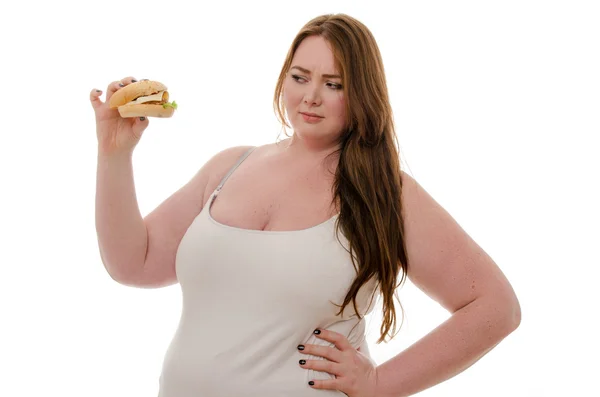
column 311, row 87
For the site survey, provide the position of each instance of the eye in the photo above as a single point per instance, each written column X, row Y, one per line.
column 296, row 77
column 333, row 86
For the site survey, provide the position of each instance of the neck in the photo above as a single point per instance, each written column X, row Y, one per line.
column 305, row 152
column 308, row 148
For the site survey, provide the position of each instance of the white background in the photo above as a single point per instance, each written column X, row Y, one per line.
column 496, row 107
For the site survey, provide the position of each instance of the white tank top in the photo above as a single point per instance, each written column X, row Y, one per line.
column 250, row 297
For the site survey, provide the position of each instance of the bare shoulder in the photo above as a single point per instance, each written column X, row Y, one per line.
column 218, row 166
column 443, row 260
column 168, row 223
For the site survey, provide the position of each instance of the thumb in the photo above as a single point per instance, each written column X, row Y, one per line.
column 95, row 98
column 139, row 125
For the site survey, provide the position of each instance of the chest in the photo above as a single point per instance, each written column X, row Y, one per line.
column 261, row 197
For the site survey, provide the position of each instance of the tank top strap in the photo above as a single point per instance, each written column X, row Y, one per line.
column 240, row 161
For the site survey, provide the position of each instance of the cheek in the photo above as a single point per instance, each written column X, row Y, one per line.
column 340, row 109
column 291, row 97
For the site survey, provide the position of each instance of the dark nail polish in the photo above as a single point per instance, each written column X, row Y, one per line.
column 121, row 85
column 317, row 331
column 98, row 90
column 300, row 347
column 311, row 383
column 302, row 362
column 142, row 118
column 133, row 80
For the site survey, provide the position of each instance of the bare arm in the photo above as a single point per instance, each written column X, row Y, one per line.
column 122, row 237
column 452, row 269
column 143, row 251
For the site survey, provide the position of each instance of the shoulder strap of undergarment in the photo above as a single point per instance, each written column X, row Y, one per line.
column 241, row 159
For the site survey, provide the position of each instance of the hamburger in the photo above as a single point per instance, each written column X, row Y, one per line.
column 143, row 98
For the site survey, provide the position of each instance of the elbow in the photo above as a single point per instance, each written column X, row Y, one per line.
column 503, row 310
column 511, row 309
column 516, row 314
column 126, row 276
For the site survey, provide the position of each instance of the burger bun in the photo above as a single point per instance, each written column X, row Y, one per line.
column 145, row 110
column 130, row 99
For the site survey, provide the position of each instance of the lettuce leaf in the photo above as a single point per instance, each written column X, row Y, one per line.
column 170, row 104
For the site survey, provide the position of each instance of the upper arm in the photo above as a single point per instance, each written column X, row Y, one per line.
column 443, row 260
column 167, row 224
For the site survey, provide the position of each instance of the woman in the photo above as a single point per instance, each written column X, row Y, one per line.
column 281, row 249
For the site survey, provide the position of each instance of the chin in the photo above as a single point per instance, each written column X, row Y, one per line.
column 309, row 132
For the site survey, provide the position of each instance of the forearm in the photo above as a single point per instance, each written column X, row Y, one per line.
column 122, row 234
column 446, row 351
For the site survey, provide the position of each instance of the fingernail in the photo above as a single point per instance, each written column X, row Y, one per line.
column 121, row 85
column 98, row 90
column 302, row 362
column 300, row 347
column 317, row 331
column 142, row 118
column 311, row 383
column 133, row 80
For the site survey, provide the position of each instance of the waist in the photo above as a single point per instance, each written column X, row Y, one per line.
column 239, row 356
column 247, row 374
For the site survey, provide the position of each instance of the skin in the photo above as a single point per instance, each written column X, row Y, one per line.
column 446, row 263
column 309, row 91
column 279, row 168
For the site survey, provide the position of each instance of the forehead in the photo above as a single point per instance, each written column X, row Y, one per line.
column 314, row 53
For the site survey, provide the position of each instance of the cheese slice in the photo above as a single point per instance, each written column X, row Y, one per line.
column 160, row 96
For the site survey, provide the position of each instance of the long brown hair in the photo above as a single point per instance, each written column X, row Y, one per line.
column 367, row 183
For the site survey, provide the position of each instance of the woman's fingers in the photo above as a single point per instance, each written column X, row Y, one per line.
column 115, row 85
column 110, row 90
column 95, row 98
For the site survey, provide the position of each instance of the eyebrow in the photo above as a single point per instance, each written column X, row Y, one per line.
column 327, row 76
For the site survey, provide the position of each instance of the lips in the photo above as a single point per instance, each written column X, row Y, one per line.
column 311, row 114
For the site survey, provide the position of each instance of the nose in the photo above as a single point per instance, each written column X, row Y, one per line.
column 312, row 96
